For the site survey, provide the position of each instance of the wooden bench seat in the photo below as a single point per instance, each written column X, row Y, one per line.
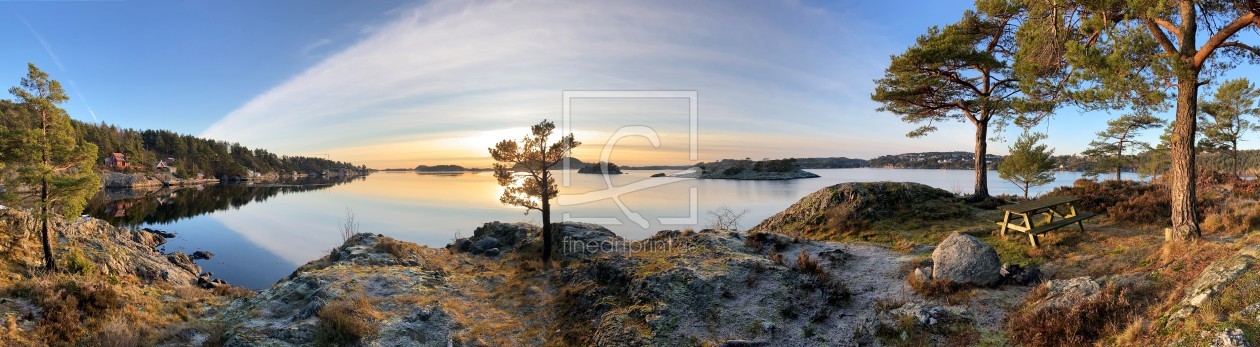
column 1042, row 229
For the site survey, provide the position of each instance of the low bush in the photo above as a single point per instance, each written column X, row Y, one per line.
column 1234, row 218
column 346, row 321
column 78, row 263
column 1081, row 324
column 68, row 304
column 1122, row 201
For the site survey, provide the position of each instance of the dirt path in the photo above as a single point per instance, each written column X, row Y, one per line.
column 872, row 274
column 875, row 274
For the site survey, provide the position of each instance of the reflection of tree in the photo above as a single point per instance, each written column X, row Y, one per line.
column 133, row 208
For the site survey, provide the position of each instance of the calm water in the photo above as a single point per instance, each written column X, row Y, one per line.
column 260, row 234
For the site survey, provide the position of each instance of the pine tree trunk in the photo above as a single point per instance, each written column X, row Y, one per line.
column 49, row 262
column 546, row 220
column 981, row 163
column 1119, row 162
column 1185, row 225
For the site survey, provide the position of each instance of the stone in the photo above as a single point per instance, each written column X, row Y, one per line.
column 483, row 244
column 658, row 174
column 1251, row 312
column 493, row 252
column 1066, row 293
column 921, row 274
column 1230, row 338
column 962, row 258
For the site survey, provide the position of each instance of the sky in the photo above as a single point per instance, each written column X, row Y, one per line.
column 391, row 83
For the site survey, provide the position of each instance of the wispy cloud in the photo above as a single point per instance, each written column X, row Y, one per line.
column 74, row 88
column 313, row 46
column 447, row 67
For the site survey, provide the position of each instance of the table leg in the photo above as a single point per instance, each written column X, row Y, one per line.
column 1033, row 237
column 1005, row 220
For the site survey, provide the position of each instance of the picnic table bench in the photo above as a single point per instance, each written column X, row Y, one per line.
column 1050, row 207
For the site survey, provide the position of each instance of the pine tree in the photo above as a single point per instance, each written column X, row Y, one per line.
column 1030, row 163
column 1110, row 152
column 1138, row 55
column 1227, row 117
column 51, row 165
column 535, row 189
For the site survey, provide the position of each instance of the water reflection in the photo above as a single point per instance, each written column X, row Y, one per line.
column 142, row 206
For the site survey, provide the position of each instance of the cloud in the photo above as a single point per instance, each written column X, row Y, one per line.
column 313, row 46
column 449, row 68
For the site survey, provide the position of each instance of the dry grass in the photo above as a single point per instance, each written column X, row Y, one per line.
column 399, row 249
column 346, row 321
column 1084, row 323
column 1233, row 218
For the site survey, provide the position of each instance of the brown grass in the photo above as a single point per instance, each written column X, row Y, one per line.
column 1233, row 218
column 346, row 321
column 399, row 249
column 1087, row 322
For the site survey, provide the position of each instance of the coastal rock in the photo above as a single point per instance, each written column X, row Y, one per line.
column 398, row 301
column 509, row 235
column 962, row 258
column 121, row 180
column 584, row 239
column 202, row 255
column 658, row 174
column 484, row 244
column 858, row 205
column 183, row 261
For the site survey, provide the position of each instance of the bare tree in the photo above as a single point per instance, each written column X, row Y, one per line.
column 725, row 218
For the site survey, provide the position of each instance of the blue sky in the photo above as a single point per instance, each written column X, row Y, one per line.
column 401, row 83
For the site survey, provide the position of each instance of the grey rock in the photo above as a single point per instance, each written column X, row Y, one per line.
column 484, row 244
column 1066, row 293
column 493, row 252
column 1230, row 338
column 962, row 258
column 743, row 343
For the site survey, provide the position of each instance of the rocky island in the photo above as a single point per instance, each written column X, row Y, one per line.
column 746, row 169
column 600, row 168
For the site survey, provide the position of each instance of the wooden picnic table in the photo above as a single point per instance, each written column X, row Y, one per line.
column 1050, row 207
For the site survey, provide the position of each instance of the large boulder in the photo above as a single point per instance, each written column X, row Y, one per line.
column 507, row 234
column 583, row 239
column 962, row 258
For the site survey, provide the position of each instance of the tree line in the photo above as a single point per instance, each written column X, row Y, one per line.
column 193, row 155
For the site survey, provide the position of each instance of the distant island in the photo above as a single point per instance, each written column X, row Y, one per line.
column 747, row 169
column 598, row 168
column 441, row 168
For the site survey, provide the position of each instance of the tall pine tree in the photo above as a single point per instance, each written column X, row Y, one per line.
column 51, row 165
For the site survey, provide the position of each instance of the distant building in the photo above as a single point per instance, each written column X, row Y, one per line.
column 166, row 166
column 116, row 162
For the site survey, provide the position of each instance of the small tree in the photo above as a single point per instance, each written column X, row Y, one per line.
column 46, row 155
column 1108, row 152
column 1225, row 119
column 725, row 218
column 534, row 188
column 1030, row 163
